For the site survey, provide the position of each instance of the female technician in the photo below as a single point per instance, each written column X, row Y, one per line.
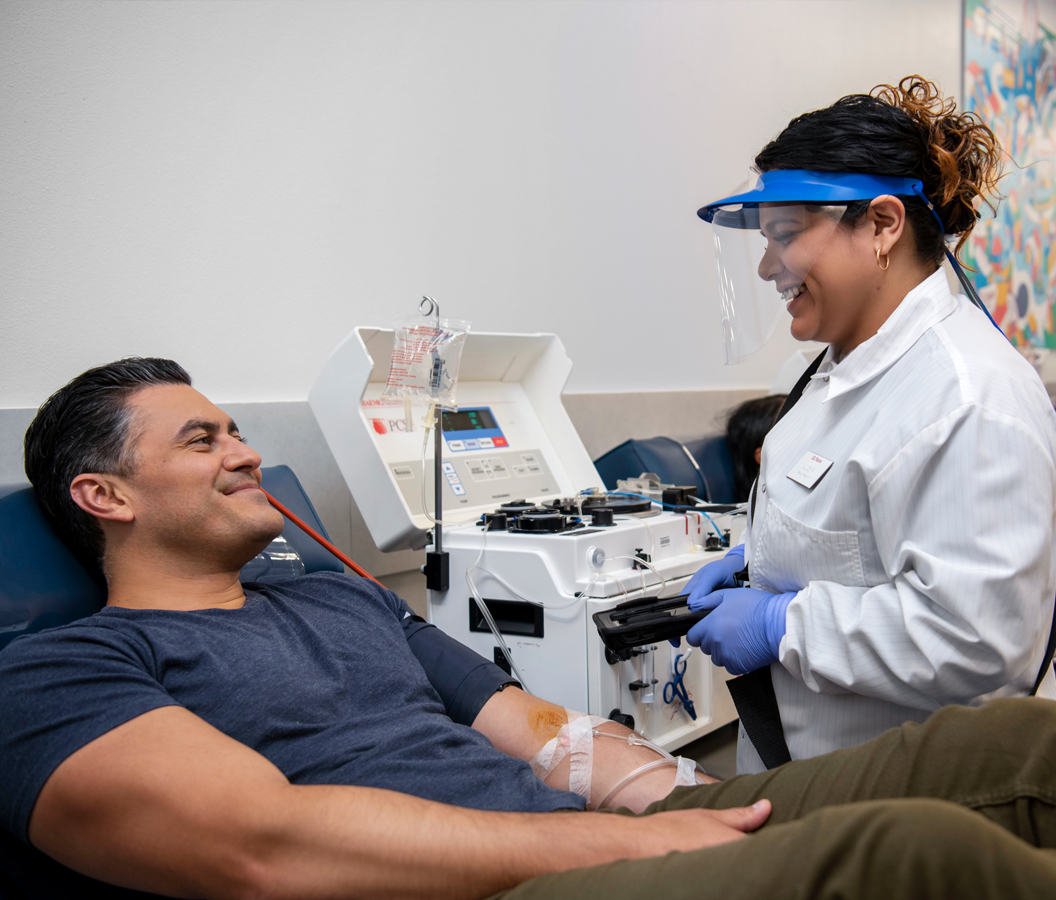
column 900, row 547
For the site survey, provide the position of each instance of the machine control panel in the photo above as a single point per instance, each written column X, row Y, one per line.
column 477, row 479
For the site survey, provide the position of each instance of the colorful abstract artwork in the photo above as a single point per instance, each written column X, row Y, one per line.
column 1010, row 82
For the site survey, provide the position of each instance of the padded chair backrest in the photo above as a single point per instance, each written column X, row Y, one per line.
column 713, row 457
column 42, row 584
column 704, row 464
column 282, row 484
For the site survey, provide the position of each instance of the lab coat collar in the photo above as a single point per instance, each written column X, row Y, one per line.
column 925, row 306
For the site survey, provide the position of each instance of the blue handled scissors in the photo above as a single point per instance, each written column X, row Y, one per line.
column 676, row 688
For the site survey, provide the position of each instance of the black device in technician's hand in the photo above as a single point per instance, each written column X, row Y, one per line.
column 637, row 622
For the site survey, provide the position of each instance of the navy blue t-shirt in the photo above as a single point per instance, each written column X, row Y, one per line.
column 315, row 674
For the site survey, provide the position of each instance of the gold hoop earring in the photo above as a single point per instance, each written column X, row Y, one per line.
column 882, row 268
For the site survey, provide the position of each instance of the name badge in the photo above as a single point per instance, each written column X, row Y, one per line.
column 809, row 469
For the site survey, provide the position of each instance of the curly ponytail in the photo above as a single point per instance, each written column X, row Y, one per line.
column 962, row 160
column 910, row 131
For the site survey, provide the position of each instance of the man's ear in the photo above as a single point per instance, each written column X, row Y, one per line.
column 102, row 496
column 887, row 215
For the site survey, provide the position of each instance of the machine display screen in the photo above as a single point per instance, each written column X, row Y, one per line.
column 472, row 429
column 469, row 420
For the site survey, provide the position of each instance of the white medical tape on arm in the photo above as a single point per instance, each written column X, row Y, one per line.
column 581, row 744
column 576, row 736
column 686, row 776
column 550, row 754
column 576, row 739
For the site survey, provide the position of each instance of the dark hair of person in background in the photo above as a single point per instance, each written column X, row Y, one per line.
column 746, row 427
column 84, row 427
column 908, row 131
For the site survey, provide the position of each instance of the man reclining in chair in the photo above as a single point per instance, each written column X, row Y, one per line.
column 198, row 739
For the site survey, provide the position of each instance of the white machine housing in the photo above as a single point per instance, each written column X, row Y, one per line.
column 538, row 583
column 380, row 458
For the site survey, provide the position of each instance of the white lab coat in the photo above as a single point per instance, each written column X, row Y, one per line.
column 923, row 560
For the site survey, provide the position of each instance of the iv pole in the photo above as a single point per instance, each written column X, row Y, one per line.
column 437, row 561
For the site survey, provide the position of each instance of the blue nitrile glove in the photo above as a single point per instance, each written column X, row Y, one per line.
column 714, row 575
column 744, row 631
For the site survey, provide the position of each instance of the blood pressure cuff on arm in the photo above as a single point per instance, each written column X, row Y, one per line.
column 465, row 680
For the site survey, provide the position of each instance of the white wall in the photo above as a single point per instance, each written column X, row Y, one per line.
column 237, row 185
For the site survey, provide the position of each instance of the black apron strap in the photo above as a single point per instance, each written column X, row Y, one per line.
column 1049, row 650
column 792, row 399
column 753, row 694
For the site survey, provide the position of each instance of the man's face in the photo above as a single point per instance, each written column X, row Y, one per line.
column 195, row 487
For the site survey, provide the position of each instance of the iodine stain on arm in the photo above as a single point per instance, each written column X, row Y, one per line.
column 545, row 721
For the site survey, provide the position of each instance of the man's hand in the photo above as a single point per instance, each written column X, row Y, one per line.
column 699, row 828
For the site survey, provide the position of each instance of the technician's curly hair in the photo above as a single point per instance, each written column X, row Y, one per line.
column 85, row 427
column 908, row 131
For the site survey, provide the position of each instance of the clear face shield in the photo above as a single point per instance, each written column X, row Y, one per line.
column 768, row 237
column 764, row 254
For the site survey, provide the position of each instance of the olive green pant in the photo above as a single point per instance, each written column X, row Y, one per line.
column 963, row 805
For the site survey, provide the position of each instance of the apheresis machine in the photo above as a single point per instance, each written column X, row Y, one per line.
column 530, row 546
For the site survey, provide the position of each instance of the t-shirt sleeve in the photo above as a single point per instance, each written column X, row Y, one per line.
column 62, row 689
column 464, row 679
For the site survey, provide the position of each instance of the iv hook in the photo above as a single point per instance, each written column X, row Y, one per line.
column 428, row 306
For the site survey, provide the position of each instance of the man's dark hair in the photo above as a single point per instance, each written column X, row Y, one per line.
column 84, row 427
column 745, row 429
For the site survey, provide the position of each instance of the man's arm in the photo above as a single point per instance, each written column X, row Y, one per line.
column 167, row 803
column 519, row 725
column 475, row 691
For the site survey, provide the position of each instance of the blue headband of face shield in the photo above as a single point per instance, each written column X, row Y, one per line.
column 824, row 189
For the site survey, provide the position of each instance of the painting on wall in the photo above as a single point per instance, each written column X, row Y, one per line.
column 1010, row 83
